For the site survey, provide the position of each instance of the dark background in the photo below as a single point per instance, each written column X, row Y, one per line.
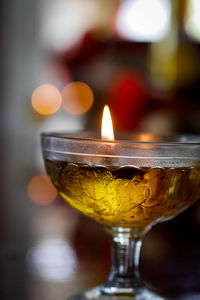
column 50, row 251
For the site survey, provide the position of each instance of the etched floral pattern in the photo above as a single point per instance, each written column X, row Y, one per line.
column 126, row 196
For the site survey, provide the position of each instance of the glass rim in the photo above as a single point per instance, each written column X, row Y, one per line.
column 186, row 139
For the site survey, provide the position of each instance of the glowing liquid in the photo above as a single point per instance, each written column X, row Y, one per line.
column 126, row 196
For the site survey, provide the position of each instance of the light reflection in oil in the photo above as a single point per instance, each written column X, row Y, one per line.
column 52, row 260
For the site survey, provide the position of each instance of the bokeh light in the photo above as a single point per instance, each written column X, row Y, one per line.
column 192, row 23
column 40, row 190
column 52, row 260
column 77, row 98
column 146, row 137
column 46, row 99
column 64, row 23
column 144, row 20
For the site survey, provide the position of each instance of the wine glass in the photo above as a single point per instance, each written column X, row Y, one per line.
column 128, row 186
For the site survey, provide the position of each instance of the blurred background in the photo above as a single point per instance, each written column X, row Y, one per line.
column 142, row 57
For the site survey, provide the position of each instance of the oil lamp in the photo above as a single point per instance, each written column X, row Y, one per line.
column 128, row 185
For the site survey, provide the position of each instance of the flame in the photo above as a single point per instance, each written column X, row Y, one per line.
column 106, row 125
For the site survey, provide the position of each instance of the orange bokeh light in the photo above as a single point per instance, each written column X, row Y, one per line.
column 77, row 98
column 40, row 190
column 46, row 99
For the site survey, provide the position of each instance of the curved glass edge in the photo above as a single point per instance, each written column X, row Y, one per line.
column 128, row 138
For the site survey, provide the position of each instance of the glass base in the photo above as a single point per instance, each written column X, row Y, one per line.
column 118, row 294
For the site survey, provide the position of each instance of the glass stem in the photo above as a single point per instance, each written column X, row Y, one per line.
column 125, row 253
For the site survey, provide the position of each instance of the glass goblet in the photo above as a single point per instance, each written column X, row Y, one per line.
column 128, row 186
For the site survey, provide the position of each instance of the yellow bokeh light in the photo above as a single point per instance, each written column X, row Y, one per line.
column 40, row 190
column 46, row 99
column 77, row 98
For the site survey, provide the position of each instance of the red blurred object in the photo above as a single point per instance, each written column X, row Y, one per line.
column 128, row 99
column 84, row 51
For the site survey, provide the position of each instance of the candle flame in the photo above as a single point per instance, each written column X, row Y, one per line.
column 106, row 125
